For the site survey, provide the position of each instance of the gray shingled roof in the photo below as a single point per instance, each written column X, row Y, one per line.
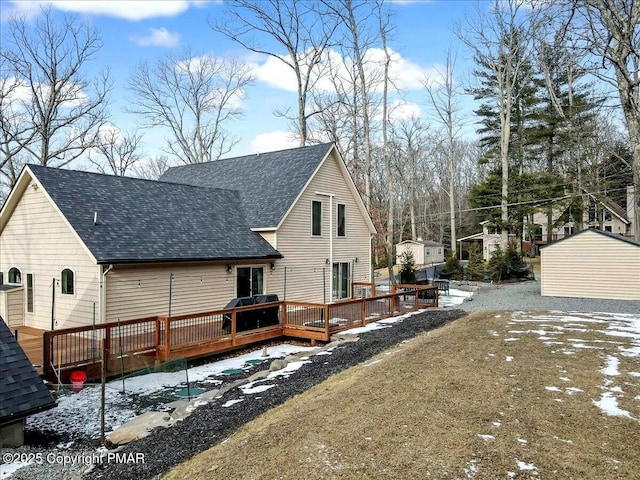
column 269, row 182
column 148, row 221
column 22, row 392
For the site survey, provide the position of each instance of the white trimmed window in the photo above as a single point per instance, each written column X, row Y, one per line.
column 316, row 218
column 68, row 281
column 341, row 226
column 15, row 276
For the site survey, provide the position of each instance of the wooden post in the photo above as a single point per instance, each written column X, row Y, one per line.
column 326, row 321
column 363, row 310
column 157, row 336
column 167, row 338
column 46, row 356
column 233, row 327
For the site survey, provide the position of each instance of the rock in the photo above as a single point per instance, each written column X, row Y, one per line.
column 139, row 427
column 259, row 375
column 277, row 364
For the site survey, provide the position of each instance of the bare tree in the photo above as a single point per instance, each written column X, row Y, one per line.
column 51, row 111
column 499, row 40
column 193, row 97
column 610, row 32
column 152, row 168
column 116, row 152
column 301, row 28
column 443, row 95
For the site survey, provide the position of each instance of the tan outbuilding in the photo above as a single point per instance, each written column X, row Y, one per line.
column 591, row 264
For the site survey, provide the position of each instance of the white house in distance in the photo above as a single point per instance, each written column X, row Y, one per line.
column 425, row 252
column 591, row 264
column 604, row 214
column 79, row 247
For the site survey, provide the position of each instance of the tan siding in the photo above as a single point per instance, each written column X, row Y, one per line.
column 37, row 240
column 142, row 291
column 271, row 238
column 591, row 265
column 12, row 306
column 307, row 274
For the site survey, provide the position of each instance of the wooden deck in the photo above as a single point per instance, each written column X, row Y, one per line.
column 30, row 339
column 134, row 344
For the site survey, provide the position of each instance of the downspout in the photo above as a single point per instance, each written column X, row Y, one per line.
column 330, row 195
column 103, row 294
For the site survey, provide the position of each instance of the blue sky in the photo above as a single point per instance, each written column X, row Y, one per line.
column 133, row 31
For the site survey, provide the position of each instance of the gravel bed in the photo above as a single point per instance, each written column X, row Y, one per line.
column 211, row 424
column 526, row 296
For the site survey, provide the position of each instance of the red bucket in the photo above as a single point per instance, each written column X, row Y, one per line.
column 78, row 377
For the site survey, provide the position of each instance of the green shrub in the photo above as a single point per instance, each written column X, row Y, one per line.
column 408, row 271
column 475, row 264
column 452, row 268
column 506, row 264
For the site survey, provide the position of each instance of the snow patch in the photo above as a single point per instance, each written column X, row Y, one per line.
column 609, row 405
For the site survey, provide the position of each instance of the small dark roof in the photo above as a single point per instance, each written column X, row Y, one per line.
column 7, row 287
column 598, row 231
column 269, row 183
column 22, row 392
column 148, row 221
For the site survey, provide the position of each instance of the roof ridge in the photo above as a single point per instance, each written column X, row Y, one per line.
column 127, row 178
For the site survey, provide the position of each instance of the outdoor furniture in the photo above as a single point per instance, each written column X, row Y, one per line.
column 443, row 286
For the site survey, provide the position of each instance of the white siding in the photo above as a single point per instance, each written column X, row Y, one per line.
column 591, row 265
column 37, row 240
column 307, row 274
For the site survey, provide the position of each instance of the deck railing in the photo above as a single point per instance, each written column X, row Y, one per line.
column 126, row 344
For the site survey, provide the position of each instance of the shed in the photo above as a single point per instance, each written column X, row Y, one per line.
column 22, row 391
column 591, row 264
column 424, row 252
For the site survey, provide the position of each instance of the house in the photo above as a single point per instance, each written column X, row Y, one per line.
column 22, row 392
column 489, row 239
column 591, row 264
column 601, row 213
column 84, row 247
column 424, row 252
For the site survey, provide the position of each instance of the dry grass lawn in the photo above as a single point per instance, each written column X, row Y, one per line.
column 492, row 395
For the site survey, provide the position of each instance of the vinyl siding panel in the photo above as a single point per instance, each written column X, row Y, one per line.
column 143, row 291
column 591, row 265
column 12, row 306
column 307, row 274
column 271, row 238
column 36, row 239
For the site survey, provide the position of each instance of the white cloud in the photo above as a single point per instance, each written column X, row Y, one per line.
column 403, row 110
column 157, row 37
column 405, row 74
column 272, row 141
column 128, row 9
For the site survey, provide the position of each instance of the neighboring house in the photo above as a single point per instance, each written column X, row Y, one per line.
column 604, row 214
column 424, row 252
column 489, row 239
column 22, row 391
column 87, row 247
column 591, row 264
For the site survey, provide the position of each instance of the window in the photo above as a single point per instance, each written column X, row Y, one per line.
column 67, row 282
column 427, row 252
column 15, row 276
column 249, row 281
column 342, row 220
column 607, row 228
column 439, row 251
column 30, row 292
column 340, row 281
column 316, row 218
column 1, row 278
